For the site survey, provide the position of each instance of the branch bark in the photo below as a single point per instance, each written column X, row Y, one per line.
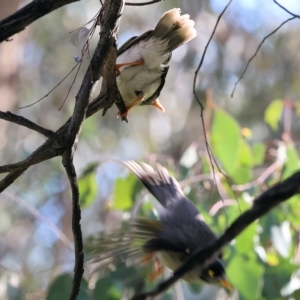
column 28, row 14
column 8, row 116
column 261, row 205
column 67, row 161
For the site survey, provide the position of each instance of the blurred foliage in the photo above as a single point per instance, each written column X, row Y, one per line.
column 255, row 141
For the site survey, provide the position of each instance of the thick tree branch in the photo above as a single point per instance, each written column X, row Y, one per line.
column 261, row 205
column 110, row 18
column 67, row 160
column 8, row 116
column 28, row 14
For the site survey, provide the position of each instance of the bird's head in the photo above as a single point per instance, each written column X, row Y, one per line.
column 215, row 274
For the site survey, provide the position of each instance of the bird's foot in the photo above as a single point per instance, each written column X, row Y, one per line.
column 124, row 114
column 158, row 270
column 130, row 64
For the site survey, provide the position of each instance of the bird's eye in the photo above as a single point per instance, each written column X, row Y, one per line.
column 211, row 273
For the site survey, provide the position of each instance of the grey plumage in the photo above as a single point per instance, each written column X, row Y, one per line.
column 180, row 228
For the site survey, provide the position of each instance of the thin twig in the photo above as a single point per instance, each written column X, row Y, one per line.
column 213, row 162
column 286, row 10
column 194, row 179
column 204, row 53
column 8, row 116
column 45, row 96
column 62, row 237
column 261, row 205
column 259, row 46
column 142, row 3
column 261, row 179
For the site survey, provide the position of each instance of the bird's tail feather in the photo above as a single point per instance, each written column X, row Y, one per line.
column 175, row 28
column 159, row 182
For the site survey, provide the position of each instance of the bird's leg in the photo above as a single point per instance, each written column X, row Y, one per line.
column 158, row 270
column 158, row 266
column 147, row 258
column 130, row 106
column 135, row 63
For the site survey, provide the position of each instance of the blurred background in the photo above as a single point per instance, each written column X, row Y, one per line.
column 254, row 136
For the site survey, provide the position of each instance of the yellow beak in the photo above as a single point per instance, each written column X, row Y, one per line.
column 225, row 283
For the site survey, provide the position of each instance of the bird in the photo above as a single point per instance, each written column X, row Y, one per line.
column 179, row 231
column 143, row 61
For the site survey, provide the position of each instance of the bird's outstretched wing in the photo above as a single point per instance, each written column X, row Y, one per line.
column 125, row 245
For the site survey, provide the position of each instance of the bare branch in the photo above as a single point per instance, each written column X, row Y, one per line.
column 107, row 44
column 208, row 149
column 69, row 132
column 10, row 178
column 259, row 46
column 141, row 3
column 204, row 53
column 67, row 161
column 286, row 10
column 261, row 179
column 36, row 213
column 261, row 205
column 8, row 116
column 28, row 14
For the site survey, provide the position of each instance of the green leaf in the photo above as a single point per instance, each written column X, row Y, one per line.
column 245, row 154
column 258, row 151
column 105, row 289
column 61, row 288
column 124, row 192
column 244, row 241
column 276, row 277
column 292, row 163
column 245, row 275
column 242, row 174
column 88, row 186
column 273, row 113
column 225, row 139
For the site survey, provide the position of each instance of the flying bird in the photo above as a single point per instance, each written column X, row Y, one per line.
column 168, row 241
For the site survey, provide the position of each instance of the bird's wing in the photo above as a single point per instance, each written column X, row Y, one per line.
column 159, row 182
column 155, row 95
column 134, row 40
column 125, row 245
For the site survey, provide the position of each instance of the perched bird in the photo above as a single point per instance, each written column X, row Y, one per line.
column 179, row 231
column 143, row 61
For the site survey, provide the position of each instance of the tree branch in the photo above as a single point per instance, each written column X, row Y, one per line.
column 28, row 14
column 68, row 133
column 142, row 3
column 10, row 178
column 67, row 160
column 259, row 46
column 261, row 205
column 8, row 116
column 286, row 10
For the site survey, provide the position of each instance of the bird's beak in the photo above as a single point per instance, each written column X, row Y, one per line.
column 158, row 105
column 226, row 284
